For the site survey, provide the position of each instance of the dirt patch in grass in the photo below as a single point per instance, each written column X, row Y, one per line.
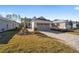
column 34, row 43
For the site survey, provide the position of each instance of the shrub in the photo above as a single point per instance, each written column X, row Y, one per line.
column 23, row 31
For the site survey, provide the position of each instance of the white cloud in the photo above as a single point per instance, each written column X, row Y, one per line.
column 76, row 8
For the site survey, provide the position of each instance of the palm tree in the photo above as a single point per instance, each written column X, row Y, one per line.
column 19, row 16
column 8, row 16
column 14, row 16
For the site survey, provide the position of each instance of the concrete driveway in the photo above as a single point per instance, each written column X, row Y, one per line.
column 69, row 39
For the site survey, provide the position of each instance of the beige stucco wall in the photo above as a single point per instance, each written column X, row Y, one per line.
column 62, row 26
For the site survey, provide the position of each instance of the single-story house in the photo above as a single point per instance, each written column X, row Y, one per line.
column 38, row 24
column 74, row 24
column 63, row 25
column 60, row 25
column 43, row 24
column 6, row 24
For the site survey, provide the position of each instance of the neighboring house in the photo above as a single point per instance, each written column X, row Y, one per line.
column 60, row 24
column 6, row 24
column 74, row 24
column 63, row 25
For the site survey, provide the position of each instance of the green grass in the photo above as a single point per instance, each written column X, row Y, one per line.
column 34, row 43
column 6, row 36
column 76, row 32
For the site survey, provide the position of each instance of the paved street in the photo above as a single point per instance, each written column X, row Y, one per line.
column 71, row 40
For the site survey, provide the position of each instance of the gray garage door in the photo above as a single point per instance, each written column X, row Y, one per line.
column 43, row 27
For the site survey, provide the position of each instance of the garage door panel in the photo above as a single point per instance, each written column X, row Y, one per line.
column 43, row 27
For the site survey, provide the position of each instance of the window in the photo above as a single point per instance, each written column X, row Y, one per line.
column 28, row 25
column 13, row 24
column 58, row 24
column 7, row 26
column 53, row 24
column 2, row 29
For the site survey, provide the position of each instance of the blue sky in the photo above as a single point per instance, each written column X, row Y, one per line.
column 48, row 11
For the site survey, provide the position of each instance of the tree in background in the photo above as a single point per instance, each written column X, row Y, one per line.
column 71, row 24
column 14, row 17
column 8, row 16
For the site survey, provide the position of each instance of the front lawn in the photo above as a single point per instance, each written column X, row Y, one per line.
column 76, row 32
column 34, row 43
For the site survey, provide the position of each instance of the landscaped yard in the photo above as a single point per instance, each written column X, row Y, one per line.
column 76, row 32
column 33, row 42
